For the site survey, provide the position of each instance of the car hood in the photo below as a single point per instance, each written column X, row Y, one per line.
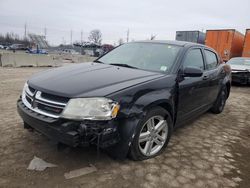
column 89, row 80
column 240, row 67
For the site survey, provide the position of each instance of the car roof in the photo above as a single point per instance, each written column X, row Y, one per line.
column 172, row 42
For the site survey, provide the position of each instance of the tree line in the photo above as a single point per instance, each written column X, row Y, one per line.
column 95, row 36
column 12, row 38
column 9, row 38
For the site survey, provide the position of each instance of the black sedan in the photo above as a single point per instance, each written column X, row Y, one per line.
column 128, row 101
column 240, row 69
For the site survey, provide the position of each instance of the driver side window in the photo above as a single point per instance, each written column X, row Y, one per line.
column 194, row 58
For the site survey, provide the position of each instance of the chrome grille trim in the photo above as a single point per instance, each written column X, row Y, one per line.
column 27, row 104
column 30, row 97
column 37, row 98
column 51, row 105
column 30, row 93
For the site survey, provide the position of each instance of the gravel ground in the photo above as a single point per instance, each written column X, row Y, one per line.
column 212, row 151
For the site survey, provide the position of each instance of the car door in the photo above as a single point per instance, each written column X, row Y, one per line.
column 214, row 75
column 192, row 90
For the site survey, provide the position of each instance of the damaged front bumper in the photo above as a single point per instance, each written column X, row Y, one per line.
column 73, row 133
column 241, row 77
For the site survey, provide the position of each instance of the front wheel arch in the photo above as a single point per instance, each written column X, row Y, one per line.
column 163, row 104
column 128, row 126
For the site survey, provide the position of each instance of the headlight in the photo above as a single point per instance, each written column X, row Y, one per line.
column 91, row 109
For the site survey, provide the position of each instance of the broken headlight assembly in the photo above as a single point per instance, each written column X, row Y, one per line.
column 98, row 108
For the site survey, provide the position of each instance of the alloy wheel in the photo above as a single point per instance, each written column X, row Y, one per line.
column 153, row 135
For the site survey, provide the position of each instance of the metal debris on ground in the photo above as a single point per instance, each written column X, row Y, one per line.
column 39, row 164
column 80, row 172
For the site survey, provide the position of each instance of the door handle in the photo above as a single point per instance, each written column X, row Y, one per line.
column 205, row 77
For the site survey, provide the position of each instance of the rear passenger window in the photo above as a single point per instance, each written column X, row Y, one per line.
column 194, row 59
column 211, row 59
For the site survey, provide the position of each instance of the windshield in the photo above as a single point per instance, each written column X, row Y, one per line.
column 245, row 62
column 148, row 56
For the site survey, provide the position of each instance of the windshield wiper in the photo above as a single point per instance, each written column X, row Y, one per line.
column 123, row 65
column 97, row 61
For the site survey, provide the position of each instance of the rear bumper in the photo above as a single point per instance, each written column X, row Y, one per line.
column 72, row 133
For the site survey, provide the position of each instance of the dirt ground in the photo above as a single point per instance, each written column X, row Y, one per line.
column 213, row 151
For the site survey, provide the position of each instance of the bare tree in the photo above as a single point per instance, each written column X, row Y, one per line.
column 152, row 37
column 120, row 41
column 11, row 38
column 95, row 36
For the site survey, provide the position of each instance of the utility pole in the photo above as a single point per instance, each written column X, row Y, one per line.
column 45, row 33
column 71, row 35
column 127, row 35
column 81, row 43
column 81, row 36
column 25, row 30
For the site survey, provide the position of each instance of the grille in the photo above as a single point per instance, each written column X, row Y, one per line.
column 43, row 103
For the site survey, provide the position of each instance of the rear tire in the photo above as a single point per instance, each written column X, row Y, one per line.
column 152, row 134
column 220, row 102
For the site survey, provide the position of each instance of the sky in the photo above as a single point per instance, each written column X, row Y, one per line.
column 143, row 18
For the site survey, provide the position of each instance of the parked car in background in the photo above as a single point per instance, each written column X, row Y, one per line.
column 36, row 51
column 240, row 69
column 17, row 47
column 70, row 51
column 1, row 46
column 128, row 101
column 106, row 48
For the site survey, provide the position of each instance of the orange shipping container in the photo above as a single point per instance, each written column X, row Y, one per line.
column 246, row 46
column 227, row 42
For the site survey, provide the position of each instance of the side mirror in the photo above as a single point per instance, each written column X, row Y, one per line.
column 192, row 72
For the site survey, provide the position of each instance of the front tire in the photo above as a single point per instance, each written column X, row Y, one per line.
column 152, row 134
